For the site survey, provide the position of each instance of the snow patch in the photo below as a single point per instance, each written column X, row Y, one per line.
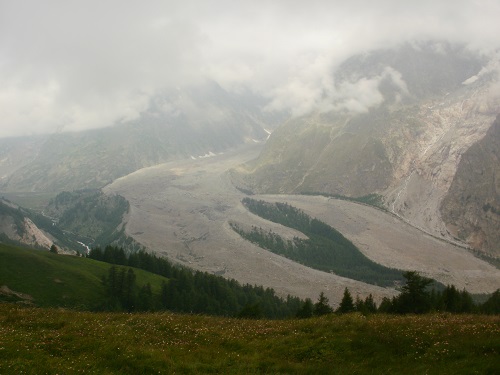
column 470, row 80
column 209, row 155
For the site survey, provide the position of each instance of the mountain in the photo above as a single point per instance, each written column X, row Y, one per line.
column 401, row 122
column 73, row 221
column 183, row 123
column 471, row 208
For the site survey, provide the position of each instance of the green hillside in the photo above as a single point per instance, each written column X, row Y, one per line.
column 39, row 341
column 140, row 282
column 60, row 280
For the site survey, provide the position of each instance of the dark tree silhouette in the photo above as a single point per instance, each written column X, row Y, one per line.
column 322, row 307
column 306, row 310
column 414, row 297
column 347, row 303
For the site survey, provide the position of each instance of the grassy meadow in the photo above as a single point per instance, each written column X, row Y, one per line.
column 44, row 340
column 60, row 280
column 52, row 334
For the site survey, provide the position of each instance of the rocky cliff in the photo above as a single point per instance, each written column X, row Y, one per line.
column 471, row 208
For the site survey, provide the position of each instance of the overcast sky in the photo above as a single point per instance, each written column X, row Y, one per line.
column 72, row 65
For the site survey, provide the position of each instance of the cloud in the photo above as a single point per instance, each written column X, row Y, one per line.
column 73, row 65
column 365, row 93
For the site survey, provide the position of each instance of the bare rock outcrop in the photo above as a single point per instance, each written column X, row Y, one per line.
column 471, row 208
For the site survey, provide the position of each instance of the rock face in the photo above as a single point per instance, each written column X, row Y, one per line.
column 471, row 208
column 16, row 227
column 436, row 105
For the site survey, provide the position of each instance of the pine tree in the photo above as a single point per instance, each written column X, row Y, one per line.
column 145, row 298
column 386, row 306
column 359, row 304
column 347, row 303
column 306, row 310
column 451, row 299
column 322, row 307
column 414, row 297
column 370, row 305
column 492, row 305
column 128, row 299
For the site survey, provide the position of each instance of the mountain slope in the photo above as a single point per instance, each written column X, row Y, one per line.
column 471, row 208
column 184, row 123
column 436, row 101
column 73, row 222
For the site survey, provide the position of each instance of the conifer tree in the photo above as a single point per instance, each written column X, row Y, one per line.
column 414, row 297
column 322, row 307
column 370, row 306
column 492, row 305
column 306, row 310
column 347, row 303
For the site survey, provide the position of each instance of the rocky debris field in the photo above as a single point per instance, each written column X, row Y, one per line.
column 183, row 210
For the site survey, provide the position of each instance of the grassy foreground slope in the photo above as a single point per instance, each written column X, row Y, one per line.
column 39, row 340
column 59, row 280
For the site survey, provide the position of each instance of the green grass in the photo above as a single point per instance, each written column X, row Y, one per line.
column 60, row 280
column 38, row 340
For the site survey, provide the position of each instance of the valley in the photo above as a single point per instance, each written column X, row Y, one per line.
column 277, row 187
column 410, row 128
column 183, row 210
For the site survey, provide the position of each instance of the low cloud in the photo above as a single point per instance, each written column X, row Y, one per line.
column 360, row 96
column 76, row 65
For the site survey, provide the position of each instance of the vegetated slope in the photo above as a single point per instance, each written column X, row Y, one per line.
column 60, row 280
column 189, row 122
column 74, row 222
column 435, row 101
column 60, row 341
column 325, row 249
column 471, row 207
column 140, row 282
column 89, row 216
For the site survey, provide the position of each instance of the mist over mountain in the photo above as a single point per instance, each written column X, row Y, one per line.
column 191, row 122
column 411, row 114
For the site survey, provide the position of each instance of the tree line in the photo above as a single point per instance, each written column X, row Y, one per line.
column 185, row 290
column 416, row 297
column 188, row 291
